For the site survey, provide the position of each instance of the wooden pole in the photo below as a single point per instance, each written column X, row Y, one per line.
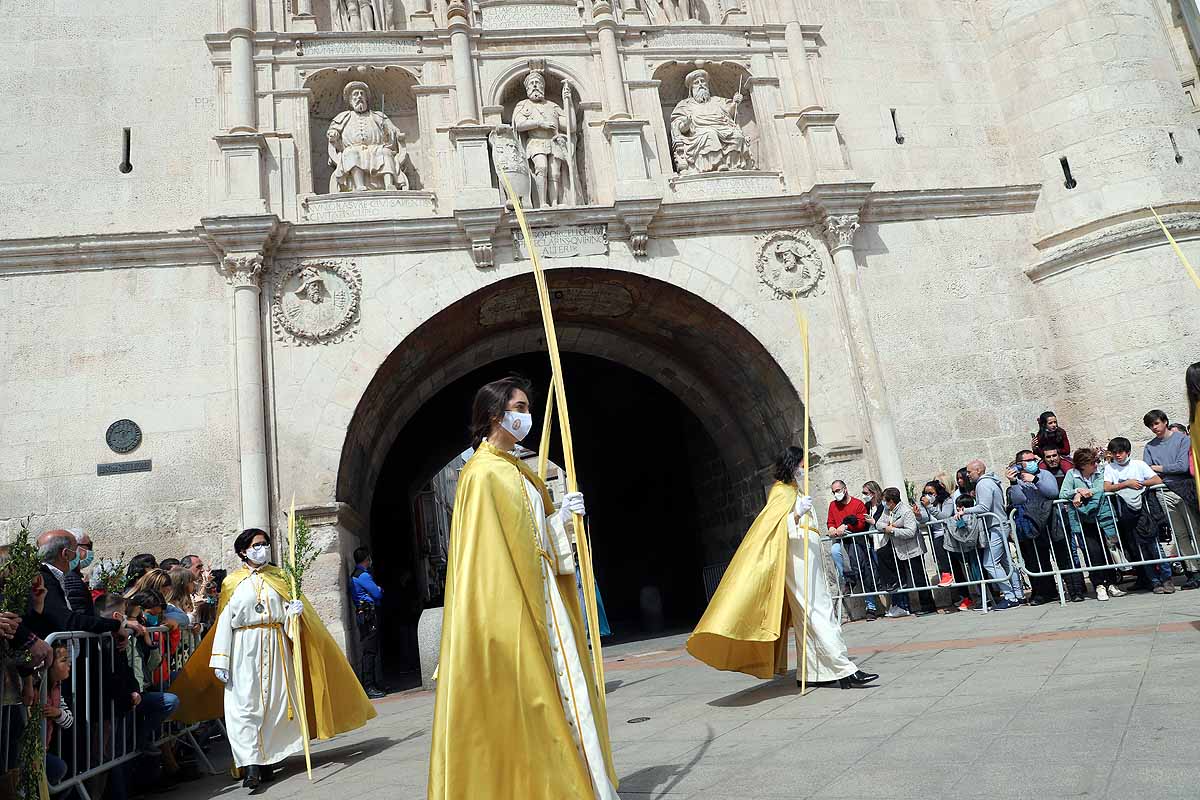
column 564, row 424
column 544, row 442
column 294, row 634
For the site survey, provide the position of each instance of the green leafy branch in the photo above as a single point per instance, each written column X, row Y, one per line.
column 19, row 572
column 307, row 551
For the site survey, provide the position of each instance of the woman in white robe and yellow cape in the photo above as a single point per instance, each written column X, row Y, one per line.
column 242, row 671
column 518, row 715
column 763, row 590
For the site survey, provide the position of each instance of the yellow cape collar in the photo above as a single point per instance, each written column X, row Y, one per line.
column 488, row 448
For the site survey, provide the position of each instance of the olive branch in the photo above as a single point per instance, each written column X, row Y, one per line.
column 305, row 551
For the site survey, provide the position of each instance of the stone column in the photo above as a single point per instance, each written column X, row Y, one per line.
column 241, row 69
column 243, row 271
column 797, row 52
column 458, row 21
column 610, row 59
column 839, row 232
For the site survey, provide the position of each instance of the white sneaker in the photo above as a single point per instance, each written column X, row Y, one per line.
column 896, row 611
column 1113, row 591
column 1101, row 593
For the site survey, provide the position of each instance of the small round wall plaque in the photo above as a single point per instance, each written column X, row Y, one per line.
column 123, row 436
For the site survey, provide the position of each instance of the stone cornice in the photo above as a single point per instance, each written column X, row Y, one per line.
column 104, row 251
column 899, row 206
column 1119, row 235
column 682, row 219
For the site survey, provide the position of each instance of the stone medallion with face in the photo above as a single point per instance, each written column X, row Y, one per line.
column 316, row 302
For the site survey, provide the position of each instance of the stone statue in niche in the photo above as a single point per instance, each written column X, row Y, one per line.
column 705, row 136
column 364, row 15
column 366, row 150
column 548, row 133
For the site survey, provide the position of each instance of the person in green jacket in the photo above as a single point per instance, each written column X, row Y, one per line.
column 1090, row 515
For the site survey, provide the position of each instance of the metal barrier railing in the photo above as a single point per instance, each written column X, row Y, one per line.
column 1099, row 542
column 103, row 737
column 866, row 577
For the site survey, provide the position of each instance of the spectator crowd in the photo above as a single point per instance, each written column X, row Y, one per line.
column 1093, row 515
column 105, row 694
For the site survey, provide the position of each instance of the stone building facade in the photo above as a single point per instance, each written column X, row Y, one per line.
column 273, row 233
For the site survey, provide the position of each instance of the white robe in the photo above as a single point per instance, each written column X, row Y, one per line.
column 827, row 658
column 572, row 685
column 253, row 647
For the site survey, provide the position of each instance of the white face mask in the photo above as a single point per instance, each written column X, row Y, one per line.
column 799, row 475
column 517, row 424
column 839, row 496
column 867, row 498
column 259, row 554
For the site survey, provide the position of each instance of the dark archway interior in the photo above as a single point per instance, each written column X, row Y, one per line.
column 647, row 466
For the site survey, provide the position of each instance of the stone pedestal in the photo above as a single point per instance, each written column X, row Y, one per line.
column 239, row 173
column 477, row 203
column 429, row 644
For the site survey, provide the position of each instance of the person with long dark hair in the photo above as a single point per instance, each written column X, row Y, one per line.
column 745, row 626
column 518, row 714
column 243, row 670
column 1050, row 434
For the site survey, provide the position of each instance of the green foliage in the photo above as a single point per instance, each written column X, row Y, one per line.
column 307, row 551
column 910, row 489
column 110, row 575
column 31, row 756
column 19, row 571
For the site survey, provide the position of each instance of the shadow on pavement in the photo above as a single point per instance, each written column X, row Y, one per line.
column 749, row 697
column 649, row 779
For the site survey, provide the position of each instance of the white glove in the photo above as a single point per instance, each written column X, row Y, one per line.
column 572, row 504
column 222, row 675
column 294, row 608
column 804, row 504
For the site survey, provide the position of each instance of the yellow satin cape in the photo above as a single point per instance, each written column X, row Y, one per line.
column 499, row 731
column 335, row 701
column 745, row 626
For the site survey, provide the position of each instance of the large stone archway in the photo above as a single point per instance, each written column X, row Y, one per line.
column 719, row 370
column 711, row 408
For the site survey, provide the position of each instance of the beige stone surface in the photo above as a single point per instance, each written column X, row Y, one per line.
column 991, row 291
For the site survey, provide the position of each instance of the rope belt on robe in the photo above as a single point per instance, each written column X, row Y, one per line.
column 278, row 626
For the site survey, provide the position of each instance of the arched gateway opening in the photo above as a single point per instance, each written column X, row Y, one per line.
column 677, row 411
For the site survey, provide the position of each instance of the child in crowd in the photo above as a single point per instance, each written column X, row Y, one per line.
column 58, row 713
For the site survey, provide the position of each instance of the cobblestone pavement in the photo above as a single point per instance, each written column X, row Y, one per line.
column 1092, row 700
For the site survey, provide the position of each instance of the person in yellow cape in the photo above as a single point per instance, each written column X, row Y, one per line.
column 518, row 715
column 761, row 594
column 242, row 671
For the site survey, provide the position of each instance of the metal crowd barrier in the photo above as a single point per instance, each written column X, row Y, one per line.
column 864, row 577
column 101, row 737
column 1123, row 553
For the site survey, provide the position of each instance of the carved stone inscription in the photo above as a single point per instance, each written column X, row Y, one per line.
column 564, row 242
column 520, row 304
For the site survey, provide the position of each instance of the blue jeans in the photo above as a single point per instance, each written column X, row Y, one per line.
column 152, row 712
column 56, row 769
column 852, row 566
column 997, row 563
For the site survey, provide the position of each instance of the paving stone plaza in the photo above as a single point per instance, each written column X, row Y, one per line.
column 1091, row 700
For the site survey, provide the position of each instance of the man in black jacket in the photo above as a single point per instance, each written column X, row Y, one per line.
column 56, row 549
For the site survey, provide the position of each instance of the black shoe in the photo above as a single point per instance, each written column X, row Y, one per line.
column 253, row 778
column 1076, row 598
column 872, row 613
column 266, row 774
column 859, row 678
column 375, row 694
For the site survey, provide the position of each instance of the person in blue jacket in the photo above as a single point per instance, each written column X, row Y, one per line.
column 367, row 598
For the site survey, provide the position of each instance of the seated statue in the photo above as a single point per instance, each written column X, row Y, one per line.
column 365, row 148
column 705, row 135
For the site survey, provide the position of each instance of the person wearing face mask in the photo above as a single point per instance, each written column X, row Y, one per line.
column 242, row 671
column 763, row 591
column 74, row 584
column 518, row 714
column 848, row 515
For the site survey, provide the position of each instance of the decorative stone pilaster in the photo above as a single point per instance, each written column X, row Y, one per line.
column 477, row 203
column 466, row 97
column 243, row 246
column 637, row 196
column 854, row 315
column 610, row 59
